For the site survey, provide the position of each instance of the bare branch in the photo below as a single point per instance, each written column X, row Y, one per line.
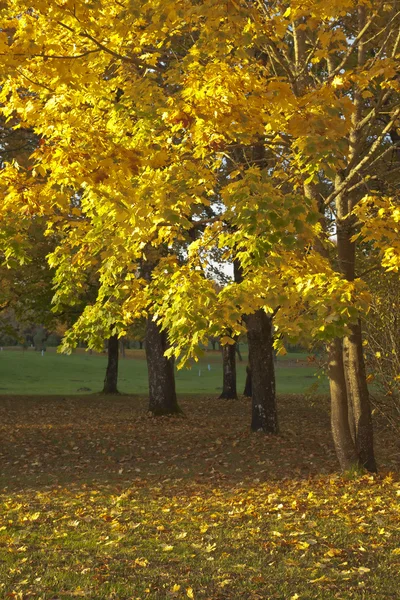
column 34, row 82
column 354, row 45
column 357, row 168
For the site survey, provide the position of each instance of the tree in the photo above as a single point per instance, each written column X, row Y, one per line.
column 162, row 393
column 228, row 350
column 328, row 126
column 262, row 372
column 111, row 378
column 181, row 87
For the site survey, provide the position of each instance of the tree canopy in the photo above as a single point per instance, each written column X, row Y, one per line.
column 270, row 129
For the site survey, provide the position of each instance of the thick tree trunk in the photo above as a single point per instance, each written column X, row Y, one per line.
column 261, row 359
column 162, row 394
column 229, row 372
column 111, row 379
column 344, row 445
column 359, row 397
column 247, row 386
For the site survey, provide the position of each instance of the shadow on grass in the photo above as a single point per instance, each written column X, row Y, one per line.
column 98, row 439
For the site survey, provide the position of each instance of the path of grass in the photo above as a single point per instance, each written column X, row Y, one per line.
column 30, row 373
column 102, row 502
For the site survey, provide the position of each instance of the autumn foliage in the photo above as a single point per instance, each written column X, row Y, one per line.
column 267, row 131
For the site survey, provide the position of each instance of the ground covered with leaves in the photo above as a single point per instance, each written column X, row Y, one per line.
column 101, row 501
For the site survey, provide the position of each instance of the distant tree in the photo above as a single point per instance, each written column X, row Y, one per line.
column 228, row 350
column 111, row 378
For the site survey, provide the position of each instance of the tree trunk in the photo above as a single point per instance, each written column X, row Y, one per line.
column 359, row 396
column 352, row 422
column 344, row 446
column 162, row 394
column 239, row 354
column 122, row 348
column 355, row 375
column 111, row 379
column 260, row 340
column 229, row 372
column 352, row 352
column 247, row 386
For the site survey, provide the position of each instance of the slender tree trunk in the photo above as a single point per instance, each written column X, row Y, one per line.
column 354, row 360
column 344, row 445
column 352, row 422
column 111, row 379
column 122, row 348
column 239, row 354
column 247, row 386
column 229, row 372
column 260, row 340
column 140, row 344
column 162, row 394
column 361, row 407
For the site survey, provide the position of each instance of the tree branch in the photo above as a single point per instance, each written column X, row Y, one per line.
column 357, row 168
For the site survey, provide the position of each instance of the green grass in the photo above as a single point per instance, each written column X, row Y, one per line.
column 102, row 502
column 30, row 373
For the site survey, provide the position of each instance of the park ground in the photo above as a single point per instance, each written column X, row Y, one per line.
column 101, row 501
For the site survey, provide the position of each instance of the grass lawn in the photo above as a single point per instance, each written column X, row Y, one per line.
column 101, row 501
column 31, row 373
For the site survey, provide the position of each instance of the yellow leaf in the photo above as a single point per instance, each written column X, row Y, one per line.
column 227, row 340
column 337, row 81
column 141, row 562
column 189, row 593
column 175, row 588
column 323, row 578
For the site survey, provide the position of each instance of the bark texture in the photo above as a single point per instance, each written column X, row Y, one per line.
column 111, row 379
column 162, row 393
column 229, row 372
column 359, row 397
column 261, row 359
column 342, row 439
column 359, row 406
